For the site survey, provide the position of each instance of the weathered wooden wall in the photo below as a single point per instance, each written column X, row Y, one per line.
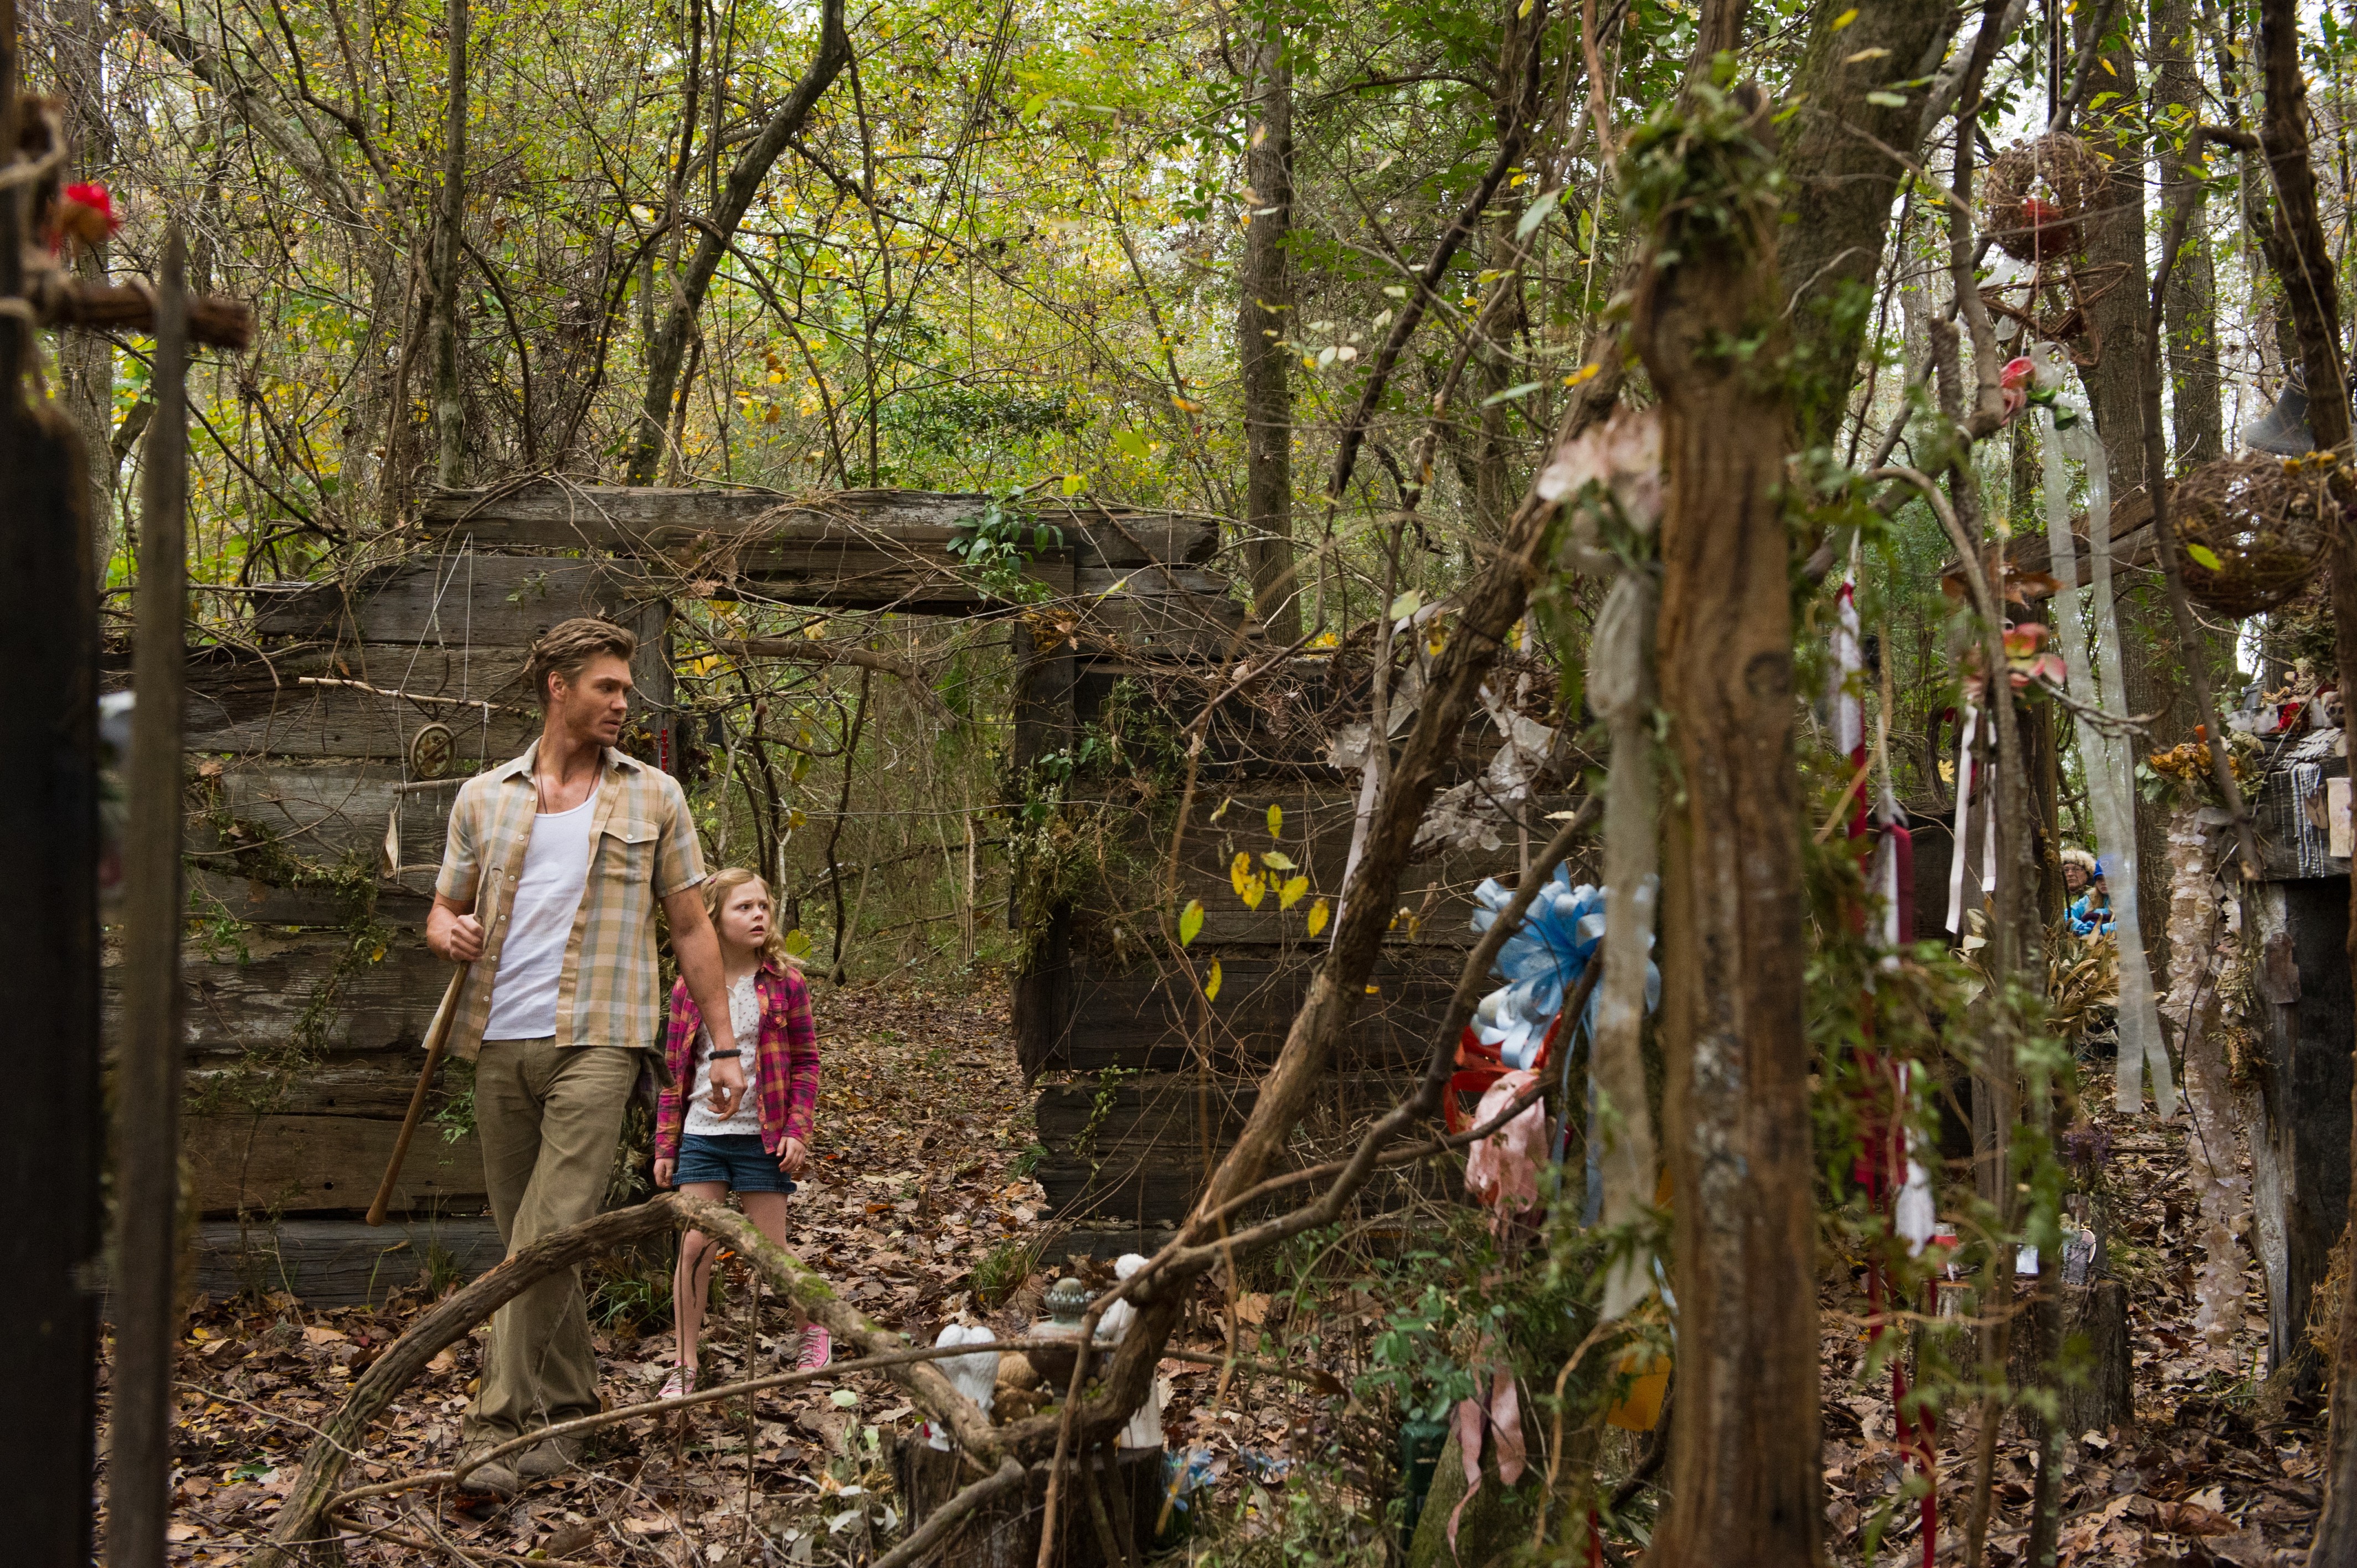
column 309, row 985
column 2304, row 1018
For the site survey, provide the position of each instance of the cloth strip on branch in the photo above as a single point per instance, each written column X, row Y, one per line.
column 2090, row 629
column 1620, row 689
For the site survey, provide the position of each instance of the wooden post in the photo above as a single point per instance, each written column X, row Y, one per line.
column 50, row 1131
column 147, row 1069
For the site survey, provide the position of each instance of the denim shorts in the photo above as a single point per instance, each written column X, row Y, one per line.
column 735, row 1159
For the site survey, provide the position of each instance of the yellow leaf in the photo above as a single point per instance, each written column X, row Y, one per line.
column 1275, row 821
column 1190, row 921
column 1290, row 893
column 1845, row 18
column 1223, row 808
column 1318, row 916
column 1212, row 982
column 1239, row 872
column 1253, row 892
column 1276, row 860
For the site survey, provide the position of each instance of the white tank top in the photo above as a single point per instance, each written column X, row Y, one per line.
column 540, row 924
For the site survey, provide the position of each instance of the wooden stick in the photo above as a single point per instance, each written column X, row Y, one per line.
column 436, row 1036
column 149, row 1073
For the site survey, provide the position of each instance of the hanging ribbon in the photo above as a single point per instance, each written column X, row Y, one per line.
column 1620, row 689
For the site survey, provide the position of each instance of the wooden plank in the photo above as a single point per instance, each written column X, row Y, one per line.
column 1131, row 1148
column 240, row 704
column 487, row 601
column 261, row 1005
column 1438, row 892
column 310, row 1165
column 339, row 810
column 217, row 896
column 376, row 1084
column 1149, row 1021
column 342, row 1262
column 658, row 522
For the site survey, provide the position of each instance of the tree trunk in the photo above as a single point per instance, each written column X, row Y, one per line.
column 1264, row 324
column 2192, row 302
column 449, row 411
column 667, row 349
column 2149, row 657
column 1840, row 186
column 1745, row 1484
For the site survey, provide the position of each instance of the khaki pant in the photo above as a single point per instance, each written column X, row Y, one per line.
column 549, row 1121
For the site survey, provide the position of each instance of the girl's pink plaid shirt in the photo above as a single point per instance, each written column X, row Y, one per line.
column 786, row 1055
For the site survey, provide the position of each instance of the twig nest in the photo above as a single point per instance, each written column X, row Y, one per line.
column 2251, row 529
column 2039, row 191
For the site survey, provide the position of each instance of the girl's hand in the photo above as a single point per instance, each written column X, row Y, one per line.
column 795, row 1157
column 665, row 1170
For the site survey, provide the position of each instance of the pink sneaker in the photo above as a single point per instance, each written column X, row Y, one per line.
column 818, row 1349
column 680, row 1382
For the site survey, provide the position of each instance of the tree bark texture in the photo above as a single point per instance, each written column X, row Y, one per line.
column 1745, row 1484
column 1840, row 186
column 667, row 349
column 449, row 408
column 1264, row 326
column 2148, row 652
column 2192, row 302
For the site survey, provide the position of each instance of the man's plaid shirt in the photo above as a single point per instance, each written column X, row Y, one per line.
column 642, row 847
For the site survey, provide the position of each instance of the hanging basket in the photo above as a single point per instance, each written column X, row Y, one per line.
column 2251, row 529
column 2038, row 194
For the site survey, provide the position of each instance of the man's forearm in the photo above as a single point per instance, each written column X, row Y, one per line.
column 699, row 965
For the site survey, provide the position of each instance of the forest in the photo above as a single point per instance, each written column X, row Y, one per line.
column 1552, row 783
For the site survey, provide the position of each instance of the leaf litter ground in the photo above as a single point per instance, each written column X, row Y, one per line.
column 918, row 1183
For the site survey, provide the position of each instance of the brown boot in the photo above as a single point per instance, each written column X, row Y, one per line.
column 553, row 1457
column 497, row 1479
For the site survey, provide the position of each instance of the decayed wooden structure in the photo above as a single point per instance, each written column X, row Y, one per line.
column 309, row 987
column 2303, row 1016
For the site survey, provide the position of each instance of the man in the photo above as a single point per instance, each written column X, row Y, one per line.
column 548, row 889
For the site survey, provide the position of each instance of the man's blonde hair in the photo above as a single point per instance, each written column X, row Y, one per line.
column 567, row 649
column 721, row 884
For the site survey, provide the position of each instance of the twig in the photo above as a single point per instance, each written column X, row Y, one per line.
column 664, row 1407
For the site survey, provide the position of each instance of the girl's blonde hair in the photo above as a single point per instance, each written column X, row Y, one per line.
column 721, row 884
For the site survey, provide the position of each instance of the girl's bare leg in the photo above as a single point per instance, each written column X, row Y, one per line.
column 766, row 1211
column 690, row 1281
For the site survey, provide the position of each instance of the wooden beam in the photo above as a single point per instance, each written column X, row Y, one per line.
column 650, row 522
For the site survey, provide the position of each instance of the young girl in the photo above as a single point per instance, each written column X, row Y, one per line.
column 762, row 1140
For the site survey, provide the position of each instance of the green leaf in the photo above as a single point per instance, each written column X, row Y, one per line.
column 2204, row 556
column 1277, row 860
column 1536, row 214
column 1137, row 446
column 1888, row 99
column 1512, row 393
column 1191, row 922
column 1407, row 603
column 797, row 943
